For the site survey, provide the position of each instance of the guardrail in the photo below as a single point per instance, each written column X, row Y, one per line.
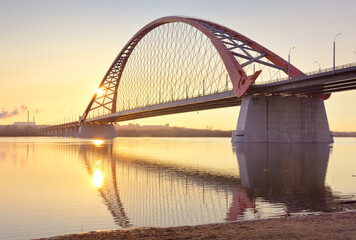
column 325, row 70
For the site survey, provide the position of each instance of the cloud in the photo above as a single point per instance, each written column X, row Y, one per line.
column 7, row 114
column 3, row 113
column 13, row 113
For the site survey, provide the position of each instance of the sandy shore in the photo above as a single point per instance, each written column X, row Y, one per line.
column 326, row 226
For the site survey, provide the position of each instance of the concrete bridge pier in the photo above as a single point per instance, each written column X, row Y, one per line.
column 70, row 131
column 101, row 131
column 75, row 131
column 282, row 119
column 66, row 132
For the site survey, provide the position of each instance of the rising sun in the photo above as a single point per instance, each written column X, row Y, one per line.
column 99, row 91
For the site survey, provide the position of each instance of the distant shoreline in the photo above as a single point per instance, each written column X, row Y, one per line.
column 135, row 130
column 344, row 134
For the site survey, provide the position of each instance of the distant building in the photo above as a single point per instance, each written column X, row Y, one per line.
column 25, row 124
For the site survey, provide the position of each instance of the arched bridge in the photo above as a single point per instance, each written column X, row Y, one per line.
column 179, row 64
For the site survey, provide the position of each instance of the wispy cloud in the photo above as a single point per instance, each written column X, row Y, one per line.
column 3, row 113
column 8, row 114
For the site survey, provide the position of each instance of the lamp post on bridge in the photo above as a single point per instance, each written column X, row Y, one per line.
column 334, row 52
column 289, row 63
column 318, row 65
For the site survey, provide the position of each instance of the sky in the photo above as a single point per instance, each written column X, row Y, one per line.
column 53, row 54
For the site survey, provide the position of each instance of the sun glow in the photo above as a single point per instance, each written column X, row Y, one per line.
column 99, row 91
column 98, row 143
column 98, row 176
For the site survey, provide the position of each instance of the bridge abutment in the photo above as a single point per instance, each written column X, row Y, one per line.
column 104, row 131
column 282, row 119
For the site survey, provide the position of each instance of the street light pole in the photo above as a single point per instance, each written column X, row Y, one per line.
column 289, row 63
column 318, row 65
column 334, row 52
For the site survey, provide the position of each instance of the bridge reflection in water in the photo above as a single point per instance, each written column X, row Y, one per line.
column 143, row 184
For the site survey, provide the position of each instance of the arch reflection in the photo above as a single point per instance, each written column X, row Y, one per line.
column 290, row 174
column 142, row 188
column 145, row 191
column 103, row 173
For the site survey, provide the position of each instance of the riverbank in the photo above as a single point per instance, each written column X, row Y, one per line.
column 325, row 226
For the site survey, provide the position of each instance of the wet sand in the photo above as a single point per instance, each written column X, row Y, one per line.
column 325, row 226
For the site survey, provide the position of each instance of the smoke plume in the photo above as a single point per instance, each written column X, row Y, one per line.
column 24, row 108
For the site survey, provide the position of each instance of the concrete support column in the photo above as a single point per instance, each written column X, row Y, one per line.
column 101, row 131
column 282, row 119
column 66, row 132
column 75, row 131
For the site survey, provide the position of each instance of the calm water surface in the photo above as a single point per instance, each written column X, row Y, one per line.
column 52, row 186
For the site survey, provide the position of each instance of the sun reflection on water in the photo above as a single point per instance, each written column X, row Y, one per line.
column 98, row 176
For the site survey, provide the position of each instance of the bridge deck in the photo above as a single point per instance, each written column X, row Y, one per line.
column 316, row 84
column 313, row 85
column 217, row 100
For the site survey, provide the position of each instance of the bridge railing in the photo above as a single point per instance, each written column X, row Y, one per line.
column 325, row 70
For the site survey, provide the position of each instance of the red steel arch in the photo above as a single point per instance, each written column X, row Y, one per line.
column 240, row 81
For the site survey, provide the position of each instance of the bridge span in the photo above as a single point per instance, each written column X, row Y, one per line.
column 177, row 64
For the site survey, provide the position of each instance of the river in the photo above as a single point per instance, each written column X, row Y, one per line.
column 55, row 186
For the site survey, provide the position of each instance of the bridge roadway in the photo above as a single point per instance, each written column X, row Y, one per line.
column 316, row 84
column 320, row 83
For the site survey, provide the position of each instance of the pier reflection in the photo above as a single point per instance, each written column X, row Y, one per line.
column 288, row 174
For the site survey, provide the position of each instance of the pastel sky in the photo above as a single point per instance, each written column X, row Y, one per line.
column 53, row 54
